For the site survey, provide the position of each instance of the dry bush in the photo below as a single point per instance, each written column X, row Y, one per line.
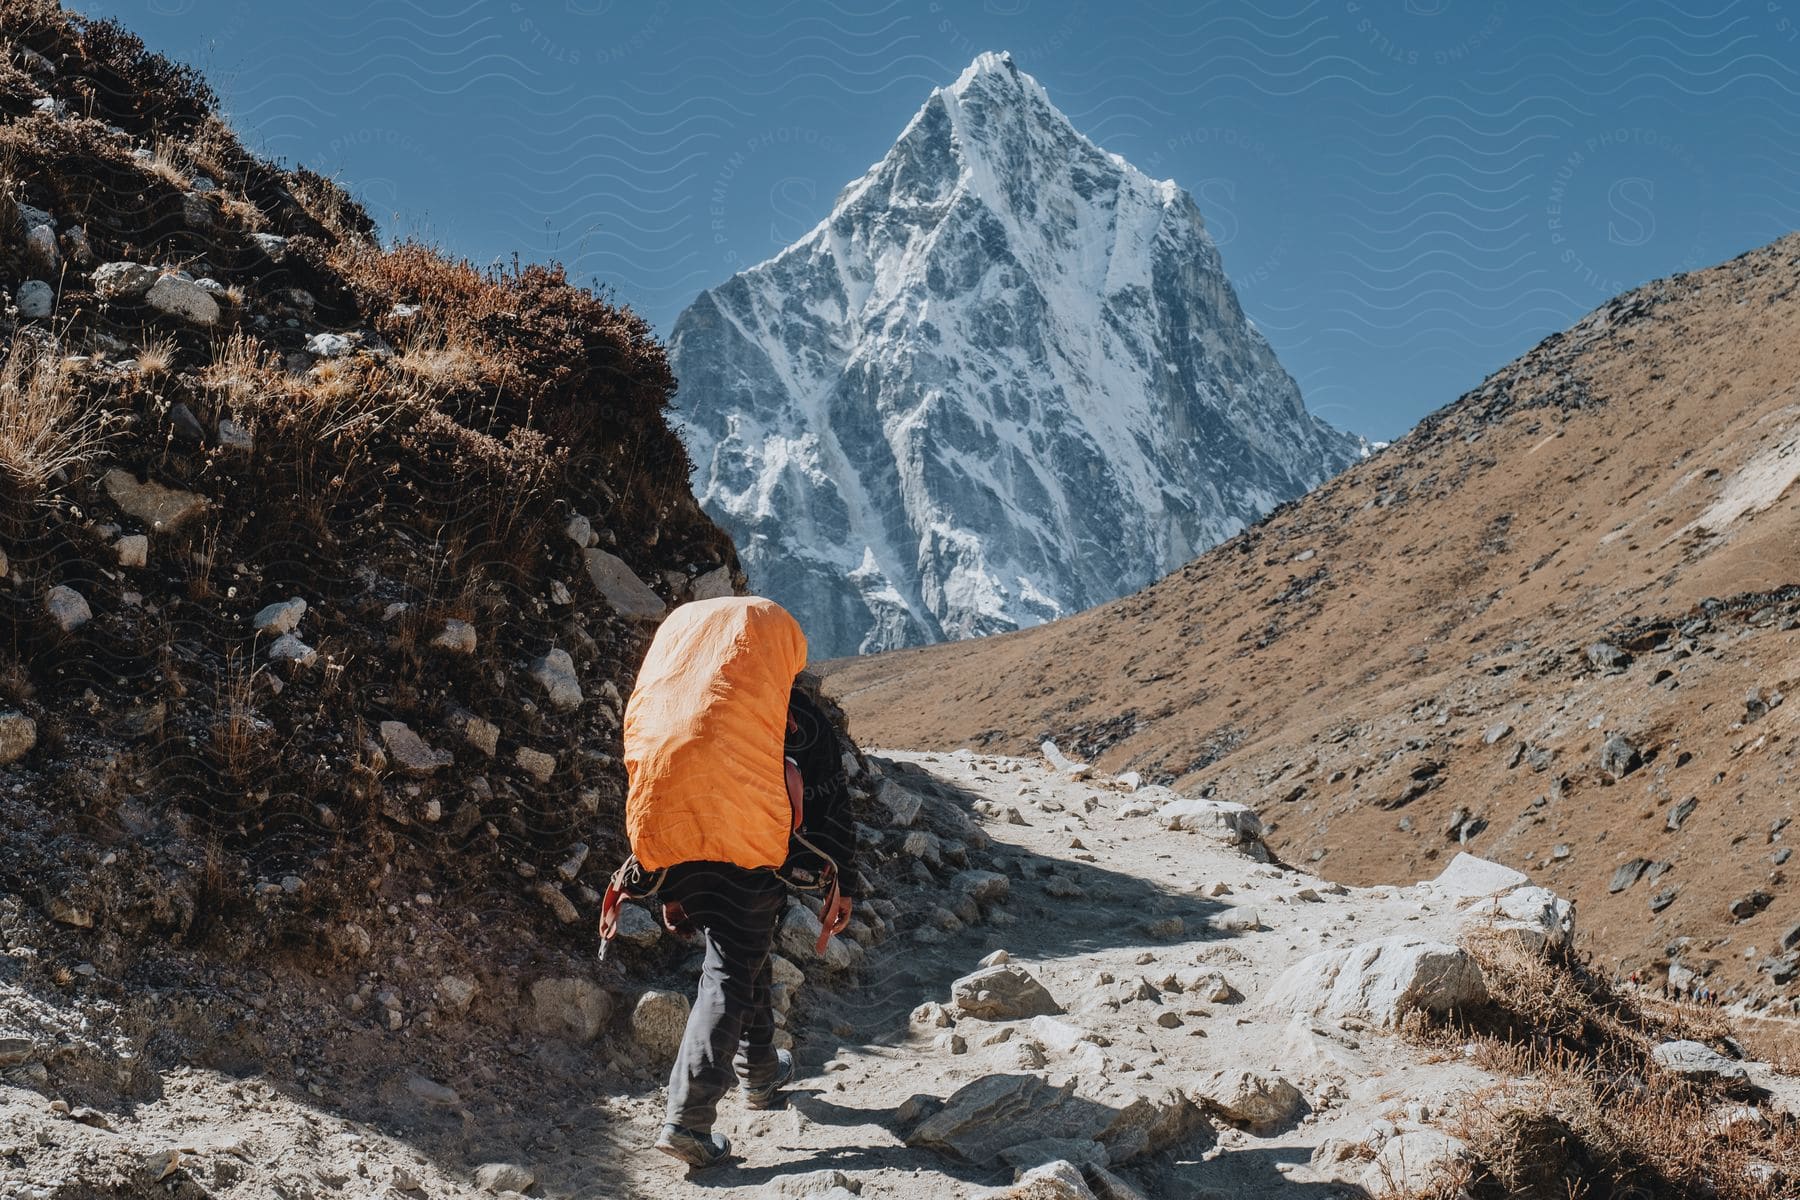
column 45, row 428
column 237, row 731
column 156, row 357
column 1585, row 1111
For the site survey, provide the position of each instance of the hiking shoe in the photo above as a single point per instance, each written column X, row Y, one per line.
column 694, row 1149
column 768, row 1095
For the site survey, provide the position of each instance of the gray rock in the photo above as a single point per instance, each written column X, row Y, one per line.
column 133, row 550
column 18, row 734
column 67, row 607
column 1680, row 811
column 714, row 584
column 1056, row 1180
column 799, row 934
column 1607, row 658
column 272, row 245
column 658, row 1020
column 555, row 672
column 163, row 509
column 902, row 804
column 1222, row 818
column 36, row 299
column 580, row 530
column 289, row 648
column 1380, row 981
column 986, row 887
column 638, row 928
column 535, row 763
column 410, row 751
column 283, row 616
column 558, row 901
column 504, row 1177
column 1495, row 732
column 330, row 345
column 458, row 637
column 628, row 595
column 1002, row 993
column 1696, row 1060
column 1664, row 898
column 455, row 993
column 810, row 1185
column 1253, row 1098
column 572, row 1008
column 482, row 734
column 1618, row 757
column 432, row 1092
column 123, row 280
column 1627, row 874
column 234, row 436
column 1081, row 1151
column 40, row 248
column 174, row 296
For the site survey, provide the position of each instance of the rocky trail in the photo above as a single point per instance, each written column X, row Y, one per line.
column 1112, row 989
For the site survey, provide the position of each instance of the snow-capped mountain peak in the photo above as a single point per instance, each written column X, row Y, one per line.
column 1003, row 380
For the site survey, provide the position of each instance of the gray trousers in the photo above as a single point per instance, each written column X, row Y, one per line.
column 731, row 1026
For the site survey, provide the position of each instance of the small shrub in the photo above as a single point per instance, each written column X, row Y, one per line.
column 45, row 428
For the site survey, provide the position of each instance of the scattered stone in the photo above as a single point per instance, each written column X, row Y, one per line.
column 571, row 866
column 18, row 734
column 556, row 673
column 330, row 345
column 1495, row 732
column 902, row 805
column 1627, row 874
column 1664, row 898
column 1059, row 1180
column 1380, row 981
column 455, row 994
column 1166, row 929
column 1680, row 811
column 133, row 550
column 36, row 299
column 571, row 1008
column 1205, row 984
column 561, row 905
column 799, row 935
column 658, row 1021
column 628, row 595
column 1607, row 658
column 65, row 912
column 432, row 1092
column 482, row 734
column 234, row 436
column 163, row 509
column 1002, row 993
column 281, row 617
column 638, row 928
column 580, row 530
column 1260, row 1101
column 714, row 584
column 458, row 637
column 289, row 648
column 1414, row 1162
column 174, row 296
column 985, row 887
column 123, row 280
column 810, row 1185
column 40, row 247
column 535, row 763
column 67, row 607
column 1749, row 904
column 1695, row 1060
column 504, row 1177
column 410, row 751
column 273, row 245
column 1618, row 757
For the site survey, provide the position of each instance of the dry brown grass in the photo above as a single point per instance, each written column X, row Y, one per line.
column 45, row 428
column 156, row 358
column 1584, row 1111
column 237, row 730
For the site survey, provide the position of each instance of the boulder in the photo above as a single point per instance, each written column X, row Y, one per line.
column 410, row 751
column 638, row 928
column 902, row 805
column 1002, row 993
column 1260, row 1101
column 283, row 616
column 1695, row 1060
column 1233, row 822
column 500, row 1177
column 67, row 607
column 628, row 595
column 123, row 280
column 556, row 673
column 1679, row 812
column 1468, row 876
column 173, row 296
column 163, row 509
column 572, row 1008
column 1414, row 1162
column 330, row 345
column 997, row 1112
column 1618, row 757
column 36, row 299
column 18, row 734
column 987, row 887
column 714, row 584
column 658, row 1020
column 1541, row 920
column 289, row 648
column 1380, row 981
column 799, row 935
column 1059, row 1180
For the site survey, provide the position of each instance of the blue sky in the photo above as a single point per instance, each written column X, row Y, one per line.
column 1407, row 193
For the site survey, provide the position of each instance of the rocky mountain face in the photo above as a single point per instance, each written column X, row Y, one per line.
column 1555, row 625
column 1006, row 379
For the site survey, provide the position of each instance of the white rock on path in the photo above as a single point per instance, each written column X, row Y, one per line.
column 1380, row 981
column 1539, row 918
column 572, row 1008
column 1059, row 1180
column 1003, row 993
column 1257, row 1099
column 1467, row 877
column 1413, row 1162
column 799, row 935
column 174, row 296
column 1222, row 818
column 628, row 595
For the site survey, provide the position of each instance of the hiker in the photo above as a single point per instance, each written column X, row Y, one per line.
column 711, row 803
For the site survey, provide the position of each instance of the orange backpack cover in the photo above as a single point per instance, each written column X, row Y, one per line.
column 704, row 732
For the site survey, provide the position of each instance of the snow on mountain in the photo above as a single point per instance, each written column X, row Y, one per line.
column 1005, row 380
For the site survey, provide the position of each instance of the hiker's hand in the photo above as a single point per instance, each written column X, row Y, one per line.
column 833, row 921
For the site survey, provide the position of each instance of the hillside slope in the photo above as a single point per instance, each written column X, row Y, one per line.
column 1434, row 649
column 1005, row 379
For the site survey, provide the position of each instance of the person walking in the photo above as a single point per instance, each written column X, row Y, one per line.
column 709, row 800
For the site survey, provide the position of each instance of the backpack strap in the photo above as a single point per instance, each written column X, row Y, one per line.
column 627, row 883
